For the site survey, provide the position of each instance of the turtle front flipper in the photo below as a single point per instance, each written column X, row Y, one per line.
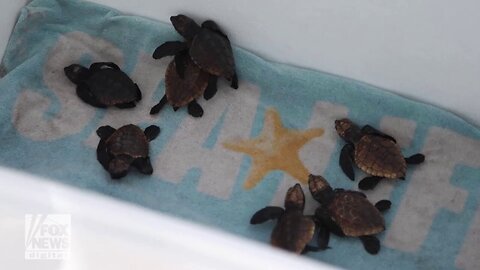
column 169, row 48
column 156, row 109
column 370, row 182
column 152, row 132
column 309, row 248
column 181, row 59
column 103, row 65
column 77, row 73
column 234, row 83
column 372, row 131
column 267, row 213
column 139, row 93
column 105, row 131
column 323, row 218
column 346, row 161
column 383, row 205
column 323, row 237
column 370, row 243
column 143, row 165
column 211, row 89
column 415, row 159
column 209, row 24
column 194, row 109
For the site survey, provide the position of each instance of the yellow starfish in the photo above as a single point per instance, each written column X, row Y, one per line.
column 276, row 148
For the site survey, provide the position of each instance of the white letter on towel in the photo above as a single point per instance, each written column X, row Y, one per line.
column 430, row 190
column 30, row 116
column 219, row 166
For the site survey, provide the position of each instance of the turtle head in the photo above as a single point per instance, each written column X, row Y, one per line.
column 76, row 73
column 295, row 199
column 347, row 129
column 320, row 188
column 185, row 26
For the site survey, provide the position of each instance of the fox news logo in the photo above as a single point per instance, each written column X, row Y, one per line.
column 47, row 237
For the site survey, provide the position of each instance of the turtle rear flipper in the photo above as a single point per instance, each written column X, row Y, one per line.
column 383, row 205
column 152, row 132
column 77, row 73
column 194, row 109
column 370, row 243
column 143, row 165
column 415, row 159
column 169, row 48
column 267, row 213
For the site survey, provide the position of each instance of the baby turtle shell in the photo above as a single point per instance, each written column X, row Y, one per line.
column 181, row 91
column 125, row 147
column 207, row 46
column 374, row 152
column 103, row 85
column 347, row 213
column 293, row 230
column 379, row 156
column 355, row 215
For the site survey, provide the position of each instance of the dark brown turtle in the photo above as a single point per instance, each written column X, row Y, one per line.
column 207, row 46
column 182, row 91
column 293, row 230
column 374, row 152
column 347, row 213
column 127, row 146
column 103, row 85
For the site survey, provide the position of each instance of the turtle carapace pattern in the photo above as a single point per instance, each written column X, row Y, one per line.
column 374, row 152
column 103, row 85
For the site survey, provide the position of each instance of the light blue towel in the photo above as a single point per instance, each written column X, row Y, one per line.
column 201, row 165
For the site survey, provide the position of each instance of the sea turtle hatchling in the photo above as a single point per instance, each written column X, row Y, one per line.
column 103, row 85
column 293, row 230
column 347, row 213
column 183, row 91
column 374, row 152
column 208, row 47
column 127, row 146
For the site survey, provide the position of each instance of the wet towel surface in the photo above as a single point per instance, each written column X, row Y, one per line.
column 248, row 148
